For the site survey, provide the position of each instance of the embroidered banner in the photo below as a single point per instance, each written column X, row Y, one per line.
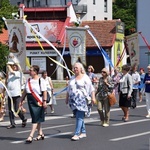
column 77, row 44
column 16, row 39
column 133, row 48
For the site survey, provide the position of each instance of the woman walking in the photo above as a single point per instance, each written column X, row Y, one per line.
column 35, row 90
column 105, row 86
column 80, row 89
column 125, row 91
column 141, row 84
column 50, row 91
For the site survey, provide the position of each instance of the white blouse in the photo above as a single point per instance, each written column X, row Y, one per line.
column 36, row 86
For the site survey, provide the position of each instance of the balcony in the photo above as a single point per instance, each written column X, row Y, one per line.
column 80, row 9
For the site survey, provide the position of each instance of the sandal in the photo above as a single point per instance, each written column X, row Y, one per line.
column 24, row 123
column 29, row 140
column 39, row 137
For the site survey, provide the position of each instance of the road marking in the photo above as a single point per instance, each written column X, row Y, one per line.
column 129, row 137
column 87, row 120
column 130, row 122
column 53, row 127
column 6, row 123
column 46, row 137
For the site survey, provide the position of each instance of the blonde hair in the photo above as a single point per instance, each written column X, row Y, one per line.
column 92, row 68
column 81, row 66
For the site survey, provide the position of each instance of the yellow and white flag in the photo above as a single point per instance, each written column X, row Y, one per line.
column 77, row 44
column 16, row 39
column 133, row 48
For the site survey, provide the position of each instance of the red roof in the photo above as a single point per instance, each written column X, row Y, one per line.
column 4, row 36
column 44, row 9
column 104, row 31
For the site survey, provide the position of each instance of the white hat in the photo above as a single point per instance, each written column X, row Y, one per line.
column 10, row 63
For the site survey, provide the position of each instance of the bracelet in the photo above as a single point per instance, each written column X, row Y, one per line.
column 44, row 100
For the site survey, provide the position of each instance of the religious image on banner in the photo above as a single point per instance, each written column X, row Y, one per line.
column 133, row 48
column 77, row 44
column 48, row 29
column 17, row 42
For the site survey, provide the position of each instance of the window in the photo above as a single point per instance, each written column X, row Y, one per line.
column 105, row 5
column 94, row 2
column 94, row 18
column 105, row 18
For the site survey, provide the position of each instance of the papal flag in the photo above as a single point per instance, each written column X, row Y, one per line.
column 132, row 44
column 77, row 44
column 16, row 39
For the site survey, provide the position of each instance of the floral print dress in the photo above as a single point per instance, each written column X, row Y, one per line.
column 78, row 91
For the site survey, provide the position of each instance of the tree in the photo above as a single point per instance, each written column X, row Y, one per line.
column 6, row 10
column 126, row 11
column 4, row 50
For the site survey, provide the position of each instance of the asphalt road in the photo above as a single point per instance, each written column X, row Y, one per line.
column 59, row 128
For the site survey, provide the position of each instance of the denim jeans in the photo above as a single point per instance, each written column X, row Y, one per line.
column 80, row 126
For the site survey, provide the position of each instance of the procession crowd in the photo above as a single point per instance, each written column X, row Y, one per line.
column 84, row 90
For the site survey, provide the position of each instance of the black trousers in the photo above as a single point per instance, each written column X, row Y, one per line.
column 134, row 98
column 16, row 106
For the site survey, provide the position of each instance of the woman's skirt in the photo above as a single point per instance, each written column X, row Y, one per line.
column 36, row 111
column 124, row 101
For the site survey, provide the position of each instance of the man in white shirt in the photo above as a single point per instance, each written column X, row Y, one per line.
column 136, row 80
column 14, row 88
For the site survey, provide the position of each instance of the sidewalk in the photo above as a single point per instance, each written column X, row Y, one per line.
column 59, row 88
column 61, row 95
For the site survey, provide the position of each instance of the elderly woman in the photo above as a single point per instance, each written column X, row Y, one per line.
column 116, row 78
column 80, row 89
column 36, row 92
column 105, row 86
column 125, row 91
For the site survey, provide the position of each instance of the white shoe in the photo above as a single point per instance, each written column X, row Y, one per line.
column 82, row 135
column 105, row 125
column 148, row 116
column 75, row 138
column 52, row 111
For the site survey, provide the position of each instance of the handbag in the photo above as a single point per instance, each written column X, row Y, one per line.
column 112, row 99
column 88, row 100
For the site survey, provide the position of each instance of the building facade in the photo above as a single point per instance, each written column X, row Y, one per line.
column 88, row 10
column 143, row 25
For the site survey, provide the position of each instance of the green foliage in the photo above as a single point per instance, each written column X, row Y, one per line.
column 4, row 51
column 126, row 11
column 6, row 10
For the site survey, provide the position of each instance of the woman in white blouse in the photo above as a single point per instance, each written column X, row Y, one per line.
column 36, row 92
column 50, row 89
column 80, row 88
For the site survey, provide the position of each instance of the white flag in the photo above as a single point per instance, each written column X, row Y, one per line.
column 77, row 44
column 133, row 48
column 17, row 44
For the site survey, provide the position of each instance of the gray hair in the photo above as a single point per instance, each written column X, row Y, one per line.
column 81, row 66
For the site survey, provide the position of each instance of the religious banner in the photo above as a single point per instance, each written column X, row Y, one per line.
column 132, row 43
column 118, row 48
column 77, row 44
column 16, row 39
column 47, row 29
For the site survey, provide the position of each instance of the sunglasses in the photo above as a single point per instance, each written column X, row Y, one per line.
column 103, row 72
